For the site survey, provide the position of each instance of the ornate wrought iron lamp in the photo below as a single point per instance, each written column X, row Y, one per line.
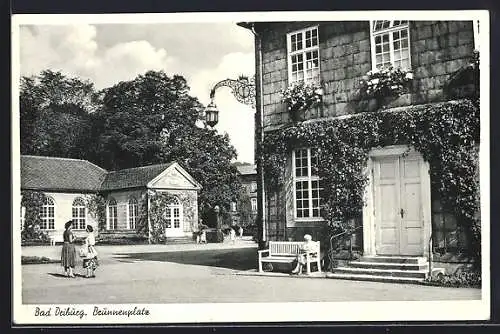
column 243, row 89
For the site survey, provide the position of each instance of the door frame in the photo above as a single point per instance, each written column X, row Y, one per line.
column 369, row 228
column 175, row 232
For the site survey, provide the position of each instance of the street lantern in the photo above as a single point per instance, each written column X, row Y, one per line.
column 243, row 89
column 212, row 114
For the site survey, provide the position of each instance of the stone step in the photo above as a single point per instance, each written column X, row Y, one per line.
column 421, row 274
column 388, row 265
column 394, row 259
column 374, row 278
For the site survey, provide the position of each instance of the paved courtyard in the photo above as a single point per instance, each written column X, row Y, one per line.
column 199, row 274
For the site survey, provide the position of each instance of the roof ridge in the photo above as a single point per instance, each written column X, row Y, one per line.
column 142, row 167
column 61, row 158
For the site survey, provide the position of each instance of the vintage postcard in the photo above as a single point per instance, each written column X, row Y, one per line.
column 250, row 167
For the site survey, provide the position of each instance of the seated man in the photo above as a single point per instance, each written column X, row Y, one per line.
column 307, row 247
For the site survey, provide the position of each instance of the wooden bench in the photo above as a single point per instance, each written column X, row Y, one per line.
column 287, row 252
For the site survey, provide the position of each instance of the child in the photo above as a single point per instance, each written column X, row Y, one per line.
column 90, row 262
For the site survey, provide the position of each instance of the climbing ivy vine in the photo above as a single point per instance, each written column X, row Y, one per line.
column 32, row 201
column 446, row 134
column 96, row 206
column 158, row 202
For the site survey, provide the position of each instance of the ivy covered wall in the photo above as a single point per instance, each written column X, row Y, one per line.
column 446, row 134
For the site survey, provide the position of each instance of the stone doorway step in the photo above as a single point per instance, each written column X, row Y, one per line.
column 397, row 269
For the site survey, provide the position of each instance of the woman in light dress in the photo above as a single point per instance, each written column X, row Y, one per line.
column 90, row 262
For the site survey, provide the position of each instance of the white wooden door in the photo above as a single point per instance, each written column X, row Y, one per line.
column 398, row 205
column 173, row 221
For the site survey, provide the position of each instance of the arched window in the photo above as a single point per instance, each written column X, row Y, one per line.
column 79, row 214
column 133, row 209
column 47, row 214
column 112, row 214
column 173, row 214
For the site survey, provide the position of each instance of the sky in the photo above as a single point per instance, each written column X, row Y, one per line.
column 204, row 53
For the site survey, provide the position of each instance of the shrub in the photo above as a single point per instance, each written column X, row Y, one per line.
column 460, row 279
column 132, row 240
column 37, row 260
column 215, row 236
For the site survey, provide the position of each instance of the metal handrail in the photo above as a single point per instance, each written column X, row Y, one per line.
column 351, row 232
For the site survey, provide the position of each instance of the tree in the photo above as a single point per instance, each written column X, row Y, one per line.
column 151, row 119
column 55, row 115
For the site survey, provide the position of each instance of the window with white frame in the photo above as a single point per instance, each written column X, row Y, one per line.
column 253, row 201
column 173, row 214
column 47, row 214
column 253, row 186
column 307, row 183
column 390, row 42
column 132, row 213
column 303, row 55
column 79, row 214
column 112, row 214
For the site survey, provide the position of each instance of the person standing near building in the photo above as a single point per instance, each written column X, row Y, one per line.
column 90, row 262
column 68, row 253
column 232, row 234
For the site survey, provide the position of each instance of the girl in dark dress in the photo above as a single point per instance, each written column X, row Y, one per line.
column 68, row 253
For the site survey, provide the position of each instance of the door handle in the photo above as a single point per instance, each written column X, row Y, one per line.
column 402, row 213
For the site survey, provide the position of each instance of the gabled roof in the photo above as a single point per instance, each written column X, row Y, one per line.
column 247, row 169
column 74, row 175
column 133, row 177
column 60, row 174
column 176, row 177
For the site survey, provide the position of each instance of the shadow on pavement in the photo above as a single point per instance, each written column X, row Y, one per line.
column 64, row 276
column 234, row 258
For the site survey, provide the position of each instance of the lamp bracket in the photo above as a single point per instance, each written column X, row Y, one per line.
column 243, row 89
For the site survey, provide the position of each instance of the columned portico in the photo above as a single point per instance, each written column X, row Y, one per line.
column 397, row 212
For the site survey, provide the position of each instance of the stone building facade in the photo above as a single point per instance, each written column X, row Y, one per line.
column 337, row 55
column 437, row 50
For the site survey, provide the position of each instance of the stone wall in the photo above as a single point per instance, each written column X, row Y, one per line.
column 437, row 49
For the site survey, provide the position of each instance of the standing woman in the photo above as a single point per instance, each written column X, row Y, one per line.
column 90, row 262
column 68, row 253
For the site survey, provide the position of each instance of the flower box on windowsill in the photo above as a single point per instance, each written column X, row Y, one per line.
column 301, row 97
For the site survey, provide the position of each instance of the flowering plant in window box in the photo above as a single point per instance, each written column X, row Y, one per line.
column 300, row 96
column 386, row 82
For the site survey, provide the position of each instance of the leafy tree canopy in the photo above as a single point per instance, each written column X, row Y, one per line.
column 55, row 115
column 148, row 120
